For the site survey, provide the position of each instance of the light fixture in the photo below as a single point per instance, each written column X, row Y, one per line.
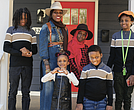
column 104, row 35
column 40, row 15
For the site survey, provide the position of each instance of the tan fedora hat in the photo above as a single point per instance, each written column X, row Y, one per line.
column 57, row 6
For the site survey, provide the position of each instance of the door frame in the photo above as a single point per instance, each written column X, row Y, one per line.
column 96, row 15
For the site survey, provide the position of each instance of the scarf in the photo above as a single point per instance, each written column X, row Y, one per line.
column 74, row 46
column 64, row 33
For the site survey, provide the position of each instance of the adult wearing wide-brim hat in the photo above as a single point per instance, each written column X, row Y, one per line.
column 53, row 38
column 79, row 50
column 57, row 6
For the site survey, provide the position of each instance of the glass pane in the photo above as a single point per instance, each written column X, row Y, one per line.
column 74, row 16
column 83, row 16
column 66, row 17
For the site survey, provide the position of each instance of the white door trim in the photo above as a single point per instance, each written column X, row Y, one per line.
column 96, row 15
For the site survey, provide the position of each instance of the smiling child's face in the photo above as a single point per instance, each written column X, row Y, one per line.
column 95, row 57
column 125, row 23
column 62, row 61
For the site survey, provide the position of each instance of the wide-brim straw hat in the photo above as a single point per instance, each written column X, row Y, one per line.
column 85, row 28
column 56, row 6
column 127, row 13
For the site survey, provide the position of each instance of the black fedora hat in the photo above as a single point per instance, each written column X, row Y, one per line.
column 85, row 28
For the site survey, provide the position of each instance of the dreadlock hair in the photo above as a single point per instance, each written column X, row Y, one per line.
column 18, row 16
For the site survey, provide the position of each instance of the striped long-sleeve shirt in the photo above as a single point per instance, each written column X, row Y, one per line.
column 116, row 57
column 15, row 40
column 95, row 83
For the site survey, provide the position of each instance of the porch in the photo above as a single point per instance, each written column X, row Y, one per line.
column 6, row 11
column 35, row 101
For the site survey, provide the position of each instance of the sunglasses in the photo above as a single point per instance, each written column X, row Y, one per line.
column 58, row 12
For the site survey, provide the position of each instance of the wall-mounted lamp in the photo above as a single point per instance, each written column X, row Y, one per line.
column 40, row 15
column 104, row 35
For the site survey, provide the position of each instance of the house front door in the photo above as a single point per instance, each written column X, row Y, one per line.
column 79, row 12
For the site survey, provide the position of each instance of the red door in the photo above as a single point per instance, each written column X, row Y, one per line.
column 79, row 12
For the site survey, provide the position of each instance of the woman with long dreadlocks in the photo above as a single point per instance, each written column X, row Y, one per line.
column 20, row 43
column 53, row 38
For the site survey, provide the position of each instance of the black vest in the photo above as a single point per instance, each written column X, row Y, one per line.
column 61, row 99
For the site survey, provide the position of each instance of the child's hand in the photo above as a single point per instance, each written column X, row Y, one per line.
column 55, row 70
column 64, row 70
column 128, row 82
column 109, row 107
column 26, row 52
column 79, row 107
column 131, row 79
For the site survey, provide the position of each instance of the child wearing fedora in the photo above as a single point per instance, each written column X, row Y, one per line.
column 95, row 83
column 122, row 57
column 61, row 99
column 79, row 55
column 53, row 38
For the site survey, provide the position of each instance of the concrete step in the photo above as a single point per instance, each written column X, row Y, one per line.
column 35, row 103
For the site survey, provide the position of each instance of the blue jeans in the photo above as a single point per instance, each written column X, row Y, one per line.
column 94, row 105
column 47, row 88
column 46, row 93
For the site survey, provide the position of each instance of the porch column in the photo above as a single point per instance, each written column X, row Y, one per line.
column 6, row 10
column 131, row 8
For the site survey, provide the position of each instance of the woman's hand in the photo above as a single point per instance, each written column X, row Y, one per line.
column 79, row 107
column 47, row 68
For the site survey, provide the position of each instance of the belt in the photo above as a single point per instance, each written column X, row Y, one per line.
column 54, row 43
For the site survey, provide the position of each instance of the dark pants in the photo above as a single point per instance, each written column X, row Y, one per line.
column 15, row 73
column 123, row 92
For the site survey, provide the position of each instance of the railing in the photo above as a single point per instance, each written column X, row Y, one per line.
column 3, row 80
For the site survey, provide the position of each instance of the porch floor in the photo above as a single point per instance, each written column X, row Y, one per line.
column 35, row 103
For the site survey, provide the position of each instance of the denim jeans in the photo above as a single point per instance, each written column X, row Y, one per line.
column 94, row 105
column 47, row 88
column 46, row 93
column 15, row 73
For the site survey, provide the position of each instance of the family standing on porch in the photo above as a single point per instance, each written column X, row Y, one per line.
column 63, row 63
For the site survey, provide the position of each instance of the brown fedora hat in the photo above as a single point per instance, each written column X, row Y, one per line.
column 85, row 28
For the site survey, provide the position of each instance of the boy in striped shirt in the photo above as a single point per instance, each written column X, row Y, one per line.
column 95, row 83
